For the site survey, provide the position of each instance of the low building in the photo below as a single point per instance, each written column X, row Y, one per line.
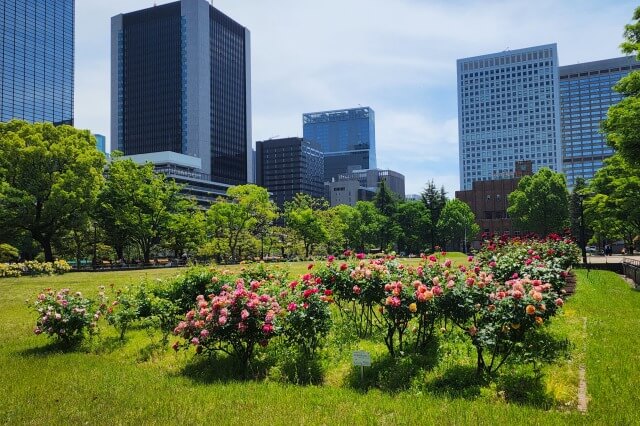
column 488, row 199
column 185, row 170
column 361, row 185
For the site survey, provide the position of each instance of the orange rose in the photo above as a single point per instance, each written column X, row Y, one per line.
column 530, row 309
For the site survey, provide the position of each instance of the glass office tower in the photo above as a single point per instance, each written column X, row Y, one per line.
column 289, row 166
column 346, row 137
column 181, row 84
column 586, row 93
column 36, row 60
column 508, row 111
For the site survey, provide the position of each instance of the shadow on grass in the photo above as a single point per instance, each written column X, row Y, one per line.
column 220, row 368
column 524, row 389
column 390, row 374
column 299, row 369
column 457, row 382
column 53, row 347
column 151, row 351
column 107, row 345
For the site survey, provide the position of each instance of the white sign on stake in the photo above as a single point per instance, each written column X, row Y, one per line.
column 362, row 359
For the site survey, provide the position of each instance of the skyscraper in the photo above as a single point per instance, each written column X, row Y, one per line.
column 346, row 137
column 508, row 111
column 36, row 60
column 586, row 93
column 181, row 86
column 289, row 166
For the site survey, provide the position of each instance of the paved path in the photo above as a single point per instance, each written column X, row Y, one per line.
column 616, row 258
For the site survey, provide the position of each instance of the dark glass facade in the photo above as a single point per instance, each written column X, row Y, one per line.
column 289, row 166
column 181, row 83
column 37, row 60
column 228, row 99
column 347, row 138
column 586, row 93
column 152, row 77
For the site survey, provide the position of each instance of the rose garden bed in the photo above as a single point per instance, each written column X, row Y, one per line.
column 430, row 377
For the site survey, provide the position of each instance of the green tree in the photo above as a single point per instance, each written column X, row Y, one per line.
column 622, row 125
column 579, row 229
column 414, row 221
column 540, row 204
column 302, row 216
column 335, row 225
column 49, row 175
column 457, row 224
column 237, row 215
column 186, row 228
column 363, row 225
column 434, row 200
column 141, row 203
column 386, row 201
column 617, row 189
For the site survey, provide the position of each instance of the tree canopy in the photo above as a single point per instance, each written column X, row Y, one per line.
column 457, row 225
column 540, row 204
column 139, row 205
column 49, row 178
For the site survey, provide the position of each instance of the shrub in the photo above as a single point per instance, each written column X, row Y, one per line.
column 33, row 267
column 64, row 315
column 233, row 321
column 61, row 266
column 308, row 318
column 10, row 270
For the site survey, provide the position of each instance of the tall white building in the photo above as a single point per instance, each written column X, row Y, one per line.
column 508, row 111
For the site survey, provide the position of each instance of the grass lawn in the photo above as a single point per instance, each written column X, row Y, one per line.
column 108, row 382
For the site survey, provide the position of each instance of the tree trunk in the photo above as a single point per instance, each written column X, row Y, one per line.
column 119, row 251
column 46, row 246
column 146, row 252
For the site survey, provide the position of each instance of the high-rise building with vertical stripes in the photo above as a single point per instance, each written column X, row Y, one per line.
column 508, row 111
column 586, row 93
column 181, row 91
column 37, row 60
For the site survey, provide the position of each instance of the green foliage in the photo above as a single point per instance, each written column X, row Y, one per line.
column 415, row 221
column 8, row 253
column 302, row 218
column 540, row 204
column 457, row 225
column 434, row 200
column 394, row 390
column 621, row 125
column 236, row 217
column 364, row 223
column 387, row 204
column 49, row 177
column 139, row 205
column 64, row 315
column 614, row 211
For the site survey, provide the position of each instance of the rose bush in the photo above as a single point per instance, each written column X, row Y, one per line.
column 233, row 321
column 65, row 315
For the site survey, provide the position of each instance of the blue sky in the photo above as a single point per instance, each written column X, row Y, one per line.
column 396, row 56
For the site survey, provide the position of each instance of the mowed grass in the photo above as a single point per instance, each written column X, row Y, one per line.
column 106, row 382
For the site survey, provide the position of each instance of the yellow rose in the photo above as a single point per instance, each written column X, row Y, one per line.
column 413, row 307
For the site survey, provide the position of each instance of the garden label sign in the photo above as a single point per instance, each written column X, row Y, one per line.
column 362, row 359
